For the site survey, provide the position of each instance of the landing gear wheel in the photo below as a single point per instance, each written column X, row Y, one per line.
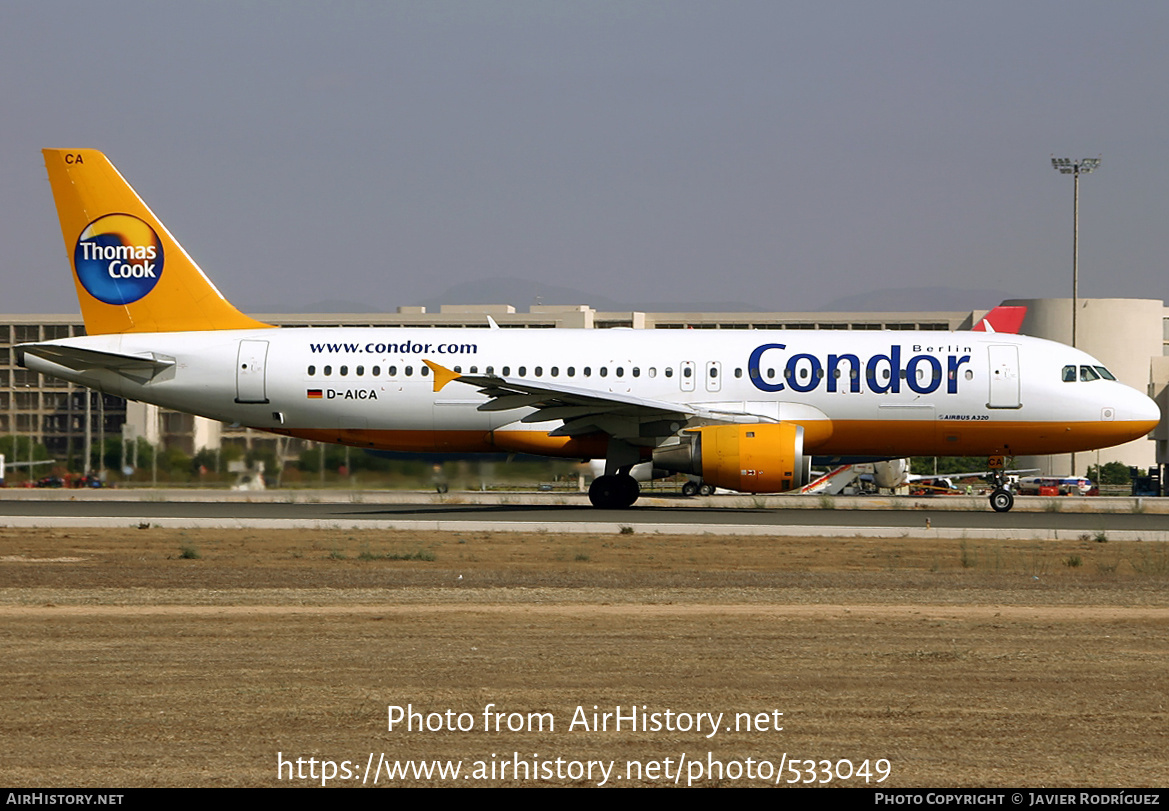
column 706, row 490
column 615, row 492
column 690, row 489
column 1002, row 500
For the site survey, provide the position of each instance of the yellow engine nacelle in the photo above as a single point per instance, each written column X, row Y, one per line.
column 755, row 458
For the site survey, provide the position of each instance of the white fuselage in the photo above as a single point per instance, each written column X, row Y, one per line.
column 871, row 393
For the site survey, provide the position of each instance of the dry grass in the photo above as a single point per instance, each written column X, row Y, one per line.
column 984, row 664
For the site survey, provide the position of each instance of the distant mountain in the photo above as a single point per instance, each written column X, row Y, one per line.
column 916, row 299
column 523, row 293
column 326, row 306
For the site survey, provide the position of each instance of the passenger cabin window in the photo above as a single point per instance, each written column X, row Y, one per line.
column 312, row 370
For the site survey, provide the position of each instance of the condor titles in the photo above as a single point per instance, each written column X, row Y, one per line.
column 883, row 373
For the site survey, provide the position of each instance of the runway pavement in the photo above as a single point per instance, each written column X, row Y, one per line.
column 1114, row 519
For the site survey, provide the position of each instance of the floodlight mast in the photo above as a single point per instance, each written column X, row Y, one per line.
column 1066, row 166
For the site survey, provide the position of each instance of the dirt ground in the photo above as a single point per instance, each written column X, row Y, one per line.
column 208, row 658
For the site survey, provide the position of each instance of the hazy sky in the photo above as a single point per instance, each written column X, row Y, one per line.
column 771, row 152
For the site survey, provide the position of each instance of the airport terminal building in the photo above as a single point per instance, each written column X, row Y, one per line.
column 1130, row 336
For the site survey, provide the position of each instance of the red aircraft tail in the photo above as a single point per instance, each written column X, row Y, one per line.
column 1002, row 319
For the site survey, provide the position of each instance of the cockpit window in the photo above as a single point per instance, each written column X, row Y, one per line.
column 1104, row 373
column 1069, row 374
column 1088, row 373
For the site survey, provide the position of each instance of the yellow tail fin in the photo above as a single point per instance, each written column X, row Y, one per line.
column 131, row 274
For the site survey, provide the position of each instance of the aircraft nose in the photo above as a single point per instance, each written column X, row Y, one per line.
column 1147, row 411
column 1139, row 412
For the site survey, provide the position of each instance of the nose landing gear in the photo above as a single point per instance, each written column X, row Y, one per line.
column 1001, row 498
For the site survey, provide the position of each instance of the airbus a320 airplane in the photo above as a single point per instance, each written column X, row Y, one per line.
column 744, row 410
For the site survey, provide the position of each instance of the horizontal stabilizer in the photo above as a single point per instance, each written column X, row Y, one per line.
column 139, row 368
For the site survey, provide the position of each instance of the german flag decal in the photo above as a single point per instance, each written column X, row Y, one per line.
column 314, row 394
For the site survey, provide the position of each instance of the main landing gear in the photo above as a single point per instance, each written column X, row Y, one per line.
column 616, row 491
column 693, row 488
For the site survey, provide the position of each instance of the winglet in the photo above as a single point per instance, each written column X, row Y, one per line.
column 442, row 375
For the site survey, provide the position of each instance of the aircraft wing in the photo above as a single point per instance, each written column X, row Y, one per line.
column 975, row 474
column 141, row 368
column 586, row 411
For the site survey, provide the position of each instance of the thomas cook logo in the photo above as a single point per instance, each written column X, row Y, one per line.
column 118, row 259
